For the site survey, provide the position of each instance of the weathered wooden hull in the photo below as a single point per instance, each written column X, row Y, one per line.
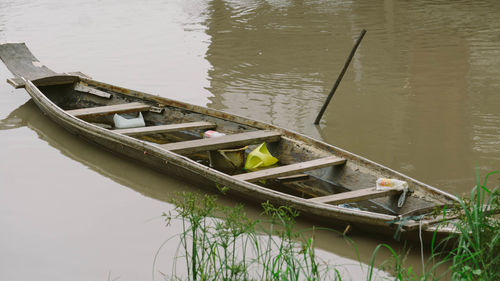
column 186, row 168
column 357, row 172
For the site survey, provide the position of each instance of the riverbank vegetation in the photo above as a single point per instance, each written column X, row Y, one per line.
column 222, row 243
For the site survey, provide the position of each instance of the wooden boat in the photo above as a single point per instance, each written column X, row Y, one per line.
column 322, row 181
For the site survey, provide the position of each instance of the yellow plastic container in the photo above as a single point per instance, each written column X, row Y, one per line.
column 259, row 158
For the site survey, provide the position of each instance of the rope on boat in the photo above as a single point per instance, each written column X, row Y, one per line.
column 401, row 222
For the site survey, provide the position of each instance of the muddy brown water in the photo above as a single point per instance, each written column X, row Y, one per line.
column 421, row 96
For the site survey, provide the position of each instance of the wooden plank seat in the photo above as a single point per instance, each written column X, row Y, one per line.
column 291, row 169
column 234, row 140
column 355, row 195
column 166, row 128
column 109, row 109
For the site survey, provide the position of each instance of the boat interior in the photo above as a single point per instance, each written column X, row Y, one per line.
column 304, row 168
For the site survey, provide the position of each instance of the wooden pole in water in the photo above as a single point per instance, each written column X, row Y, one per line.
column 341, row 75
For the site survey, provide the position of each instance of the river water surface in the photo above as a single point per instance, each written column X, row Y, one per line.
column 421, row 96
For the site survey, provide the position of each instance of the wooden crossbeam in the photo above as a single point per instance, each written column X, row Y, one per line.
column 166, row 128
column 83, row 87
column 109, row 109
column 355, row 195
column 293, row 178
column 235, row 140
column 16, row 82
column 291, row 169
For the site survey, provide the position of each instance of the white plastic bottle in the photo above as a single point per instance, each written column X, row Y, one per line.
column 212, row 134
column 383, row 184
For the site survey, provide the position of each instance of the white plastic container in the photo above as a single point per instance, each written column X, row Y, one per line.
column 384, row 184
column 212, row 134
column 123, row 123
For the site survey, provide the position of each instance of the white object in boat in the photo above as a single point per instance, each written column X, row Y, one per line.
column 123, row 123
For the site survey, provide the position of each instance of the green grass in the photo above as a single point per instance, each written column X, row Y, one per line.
column 237, row 248
column 477, row 256
column 221, row 243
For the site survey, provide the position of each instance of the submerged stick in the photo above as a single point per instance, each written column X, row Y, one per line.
column 335, row 86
